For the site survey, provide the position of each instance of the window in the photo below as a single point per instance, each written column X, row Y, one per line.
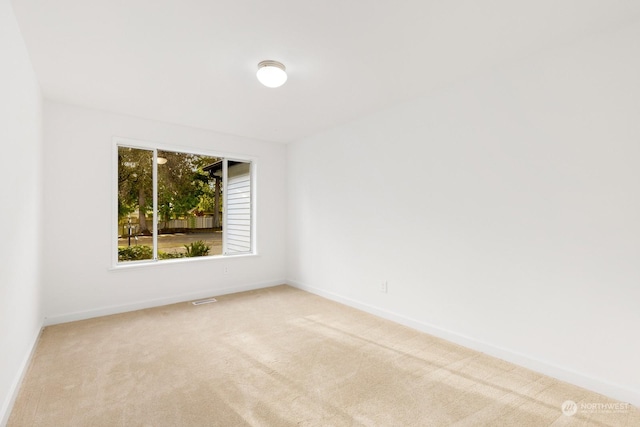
column 179, row 204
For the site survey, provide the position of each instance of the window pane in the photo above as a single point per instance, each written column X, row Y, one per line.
column 238, row 211
column 135, row 204
column 189, row 206
column 198, row 205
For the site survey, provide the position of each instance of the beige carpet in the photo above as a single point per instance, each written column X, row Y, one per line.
column 281, row 357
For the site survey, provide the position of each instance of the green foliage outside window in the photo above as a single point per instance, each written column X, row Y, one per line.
column 139, row 252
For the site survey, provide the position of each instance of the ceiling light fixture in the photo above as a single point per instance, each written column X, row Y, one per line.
column 271, row 73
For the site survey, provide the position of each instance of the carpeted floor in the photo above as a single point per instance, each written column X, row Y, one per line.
column 281, row 357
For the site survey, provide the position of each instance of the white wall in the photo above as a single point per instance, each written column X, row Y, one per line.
column 504, row 212
column 20, row 191
column 78, row 168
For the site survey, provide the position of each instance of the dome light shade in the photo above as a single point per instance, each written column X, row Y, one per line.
column 271, row 73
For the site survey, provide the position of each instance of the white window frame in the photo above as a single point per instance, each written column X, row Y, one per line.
column 155, row 147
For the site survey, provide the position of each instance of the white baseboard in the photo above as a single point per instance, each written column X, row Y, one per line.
column 588, row 382
column 155, row 302
column 7, row 406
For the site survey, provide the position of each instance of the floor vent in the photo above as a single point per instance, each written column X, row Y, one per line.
column 204, row 301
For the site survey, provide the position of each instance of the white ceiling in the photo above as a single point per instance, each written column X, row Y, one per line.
column 193, row 62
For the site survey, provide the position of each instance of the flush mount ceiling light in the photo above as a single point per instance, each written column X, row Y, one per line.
column 271, row 73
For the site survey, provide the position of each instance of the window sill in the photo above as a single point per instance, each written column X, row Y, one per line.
column 151, row 263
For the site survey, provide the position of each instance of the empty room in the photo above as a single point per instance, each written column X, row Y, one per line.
column 274, row 213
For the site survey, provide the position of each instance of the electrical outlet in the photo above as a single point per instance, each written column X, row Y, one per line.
column 226, row 270
column 383, row 287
